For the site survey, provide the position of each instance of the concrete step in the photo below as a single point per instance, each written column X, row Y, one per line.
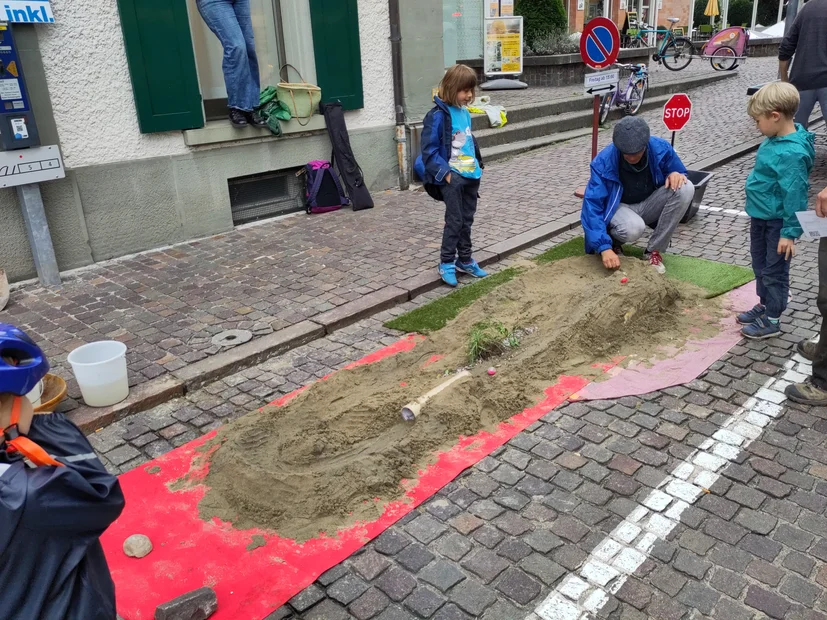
column 515, row 148
column 547, row 125
column 553, row 131
column 526, row 112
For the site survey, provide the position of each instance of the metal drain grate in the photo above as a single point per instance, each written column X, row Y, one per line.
column 265, row 195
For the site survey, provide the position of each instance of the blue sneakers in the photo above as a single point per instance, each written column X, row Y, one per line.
column 750, row 316
column 448, row 273
column 472, row 269
column 761, row 328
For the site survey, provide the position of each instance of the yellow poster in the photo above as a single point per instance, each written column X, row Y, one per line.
column 503, row 53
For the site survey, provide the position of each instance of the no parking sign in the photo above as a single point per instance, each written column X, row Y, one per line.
column 600, row 43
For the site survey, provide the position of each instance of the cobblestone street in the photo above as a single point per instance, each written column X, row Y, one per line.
column 707, row 500
column 167, row 305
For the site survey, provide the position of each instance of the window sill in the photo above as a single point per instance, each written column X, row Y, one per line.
column 216, row 132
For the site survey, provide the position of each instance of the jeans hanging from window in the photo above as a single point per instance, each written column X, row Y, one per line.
column 230, row 21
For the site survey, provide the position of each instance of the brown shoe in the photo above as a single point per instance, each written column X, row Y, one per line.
column 806, row 394
column 807, row 349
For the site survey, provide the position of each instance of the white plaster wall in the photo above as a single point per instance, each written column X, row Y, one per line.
column 88, row 79
column 377, row 68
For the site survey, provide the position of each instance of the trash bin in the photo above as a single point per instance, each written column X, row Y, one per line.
column 699, row 179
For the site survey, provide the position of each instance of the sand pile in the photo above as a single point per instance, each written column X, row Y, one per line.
column 320, row 462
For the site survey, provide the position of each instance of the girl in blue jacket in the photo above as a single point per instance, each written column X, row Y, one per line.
column 451, row 167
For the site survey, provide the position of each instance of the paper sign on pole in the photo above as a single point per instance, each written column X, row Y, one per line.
column 600, row 82
column 503, row 53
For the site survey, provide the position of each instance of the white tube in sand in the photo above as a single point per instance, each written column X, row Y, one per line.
column 412, row 409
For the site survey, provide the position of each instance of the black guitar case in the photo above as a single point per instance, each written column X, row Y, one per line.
column 343, row 158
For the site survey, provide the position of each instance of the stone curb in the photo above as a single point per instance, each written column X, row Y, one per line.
column 191, row 377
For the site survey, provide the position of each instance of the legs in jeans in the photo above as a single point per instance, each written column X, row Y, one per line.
column 230, row 21
column 460, row 197
column 820, row 360
column 772, row 271
column 664, row 209
column 808, row 102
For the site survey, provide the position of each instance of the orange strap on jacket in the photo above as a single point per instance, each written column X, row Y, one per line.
column 25, row 446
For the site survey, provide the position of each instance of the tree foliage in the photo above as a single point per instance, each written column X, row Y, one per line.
column 540, row 18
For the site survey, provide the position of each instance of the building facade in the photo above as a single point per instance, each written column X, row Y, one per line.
column 132, row 91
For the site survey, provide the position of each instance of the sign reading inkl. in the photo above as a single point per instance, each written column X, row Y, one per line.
column 27, row 12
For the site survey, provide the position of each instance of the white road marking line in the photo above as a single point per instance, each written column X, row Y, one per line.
column 737, row 212
column 582, row 595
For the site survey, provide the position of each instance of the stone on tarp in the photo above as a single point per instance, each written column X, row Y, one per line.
column 199, row 604
column 137, row 546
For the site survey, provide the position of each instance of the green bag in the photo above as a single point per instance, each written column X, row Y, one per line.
column 273, row 110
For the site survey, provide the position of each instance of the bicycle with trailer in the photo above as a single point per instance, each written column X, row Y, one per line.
column 630, row 99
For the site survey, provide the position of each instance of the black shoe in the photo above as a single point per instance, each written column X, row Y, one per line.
column 807, row 349
column 238, row 118
column 256, row 119
column 617, row 249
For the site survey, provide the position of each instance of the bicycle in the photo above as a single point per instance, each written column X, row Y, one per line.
column 631, row 99
column 675, row 53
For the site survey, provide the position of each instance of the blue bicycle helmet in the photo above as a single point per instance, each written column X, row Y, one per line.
column 28, row 364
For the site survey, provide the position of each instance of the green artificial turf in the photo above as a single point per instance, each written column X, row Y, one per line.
column 434, row 315
column 715, row 278
column 573, row 247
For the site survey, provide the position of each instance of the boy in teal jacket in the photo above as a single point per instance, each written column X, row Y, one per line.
column 776, row 190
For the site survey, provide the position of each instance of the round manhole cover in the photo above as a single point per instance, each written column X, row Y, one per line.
column 232, row 337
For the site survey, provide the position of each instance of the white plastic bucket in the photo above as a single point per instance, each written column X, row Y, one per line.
column 100, row 370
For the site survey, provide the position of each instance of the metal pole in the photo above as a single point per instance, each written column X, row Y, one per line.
column 673, row 139
column 691, row 19
column 780, row 10
column 37, row 229
column 792, row 11
column 754, row 14
column 595, row 124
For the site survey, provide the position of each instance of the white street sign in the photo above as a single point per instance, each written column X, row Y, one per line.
column 34, row 165
column 600, row 82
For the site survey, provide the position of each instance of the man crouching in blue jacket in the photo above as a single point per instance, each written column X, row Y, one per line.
column 638, row 180
column 56, row 499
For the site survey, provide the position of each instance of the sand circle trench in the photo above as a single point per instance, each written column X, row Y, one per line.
column 339, row 451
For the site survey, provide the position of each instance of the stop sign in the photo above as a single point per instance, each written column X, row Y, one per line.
column 676, row 112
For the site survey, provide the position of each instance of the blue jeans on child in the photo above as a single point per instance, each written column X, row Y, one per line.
column 772, row 270
column 230, row 21
column 460, row 196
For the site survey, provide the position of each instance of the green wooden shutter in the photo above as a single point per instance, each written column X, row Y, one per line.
column 161, row 64
column 337, row 50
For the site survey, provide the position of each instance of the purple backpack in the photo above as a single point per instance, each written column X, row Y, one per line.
column 323, row 191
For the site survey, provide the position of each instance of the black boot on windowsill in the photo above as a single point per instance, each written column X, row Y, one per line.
column 238, row 118
column 255, row 119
